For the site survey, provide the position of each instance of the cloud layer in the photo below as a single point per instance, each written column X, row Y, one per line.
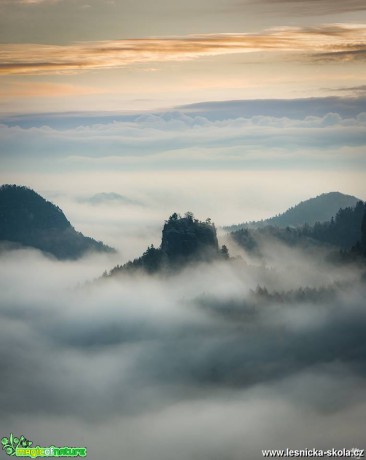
column 176, row 140
column 323, row 42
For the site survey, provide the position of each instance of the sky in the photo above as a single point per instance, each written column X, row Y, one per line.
column 62, row 55
column 236, row 109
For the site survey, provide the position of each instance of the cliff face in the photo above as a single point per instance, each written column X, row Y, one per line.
column 28, row 219
column 188, row 238
column 184, row 240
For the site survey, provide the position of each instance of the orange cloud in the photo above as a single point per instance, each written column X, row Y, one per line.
column 45, row 89
column 330, row 41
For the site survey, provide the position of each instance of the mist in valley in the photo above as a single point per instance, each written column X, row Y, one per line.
column 216, row 361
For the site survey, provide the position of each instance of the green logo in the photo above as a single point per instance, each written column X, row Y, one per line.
column 10, row 444
column 21, row 447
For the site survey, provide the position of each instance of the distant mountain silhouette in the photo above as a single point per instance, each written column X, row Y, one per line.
column 184, row 240
column 27, row 219
column 110, row 198
column 345, row 230
column 319, row 209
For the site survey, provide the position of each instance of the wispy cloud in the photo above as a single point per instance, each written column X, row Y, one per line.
column 358, row 90
column 324, row 42
column 352, row 53
column 316, row 7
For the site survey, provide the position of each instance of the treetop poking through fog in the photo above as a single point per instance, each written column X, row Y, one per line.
column 187, row 237
column 184, row 240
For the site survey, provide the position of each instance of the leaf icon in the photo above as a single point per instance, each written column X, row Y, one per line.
column 22, row 441
column 10, row 451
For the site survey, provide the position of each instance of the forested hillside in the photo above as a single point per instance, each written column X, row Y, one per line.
column 27, row 219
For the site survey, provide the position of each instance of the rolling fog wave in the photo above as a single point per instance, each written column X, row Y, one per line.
column 218, row 361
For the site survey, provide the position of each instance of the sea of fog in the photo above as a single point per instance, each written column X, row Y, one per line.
column 196, row 365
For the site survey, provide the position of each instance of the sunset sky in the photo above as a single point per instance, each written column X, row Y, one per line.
column 62, row 55
column 103, row 90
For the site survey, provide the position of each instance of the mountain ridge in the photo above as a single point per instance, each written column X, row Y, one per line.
column 347, row 230
column 26, row 218
column 308, row 212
